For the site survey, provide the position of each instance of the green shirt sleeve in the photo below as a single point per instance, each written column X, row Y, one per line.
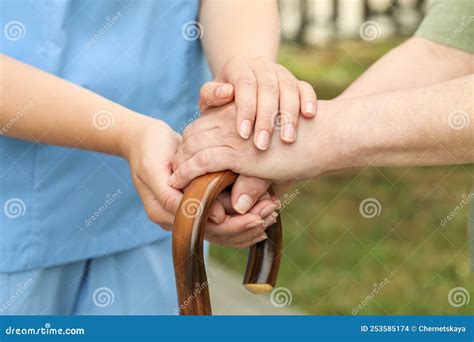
column 450, row 23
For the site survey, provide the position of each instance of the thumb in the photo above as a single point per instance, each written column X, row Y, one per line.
column 246, row 191
column 215, row 94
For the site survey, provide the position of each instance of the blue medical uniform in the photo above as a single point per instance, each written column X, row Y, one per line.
column 62, row 205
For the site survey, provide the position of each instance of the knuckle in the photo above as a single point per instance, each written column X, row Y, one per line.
column 189, row 145
column 246, row 80
column 306, row 86
column 265, row 120
column 289, row 82
column 188, row 130
column 229, row 110
column 183, row 171
column 247, row 108
column 166, row 200
column 203, row 159
column 270, row 84
column 152, row 216
column 259, row 186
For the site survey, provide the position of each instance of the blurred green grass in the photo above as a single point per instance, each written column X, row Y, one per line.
column 333, row 256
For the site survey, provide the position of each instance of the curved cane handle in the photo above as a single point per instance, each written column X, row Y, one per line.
column 188, row 235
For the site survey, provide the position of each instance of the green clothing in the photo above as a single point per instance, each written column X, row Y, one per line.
column 451, row 23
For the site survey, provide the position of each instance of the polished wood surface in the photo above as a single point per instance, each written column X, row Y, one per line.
column 188, row 257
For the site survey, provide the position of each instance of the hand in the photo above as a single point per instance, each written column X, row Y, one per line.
column 150, row 151
column 267, row 96
column 212, row 143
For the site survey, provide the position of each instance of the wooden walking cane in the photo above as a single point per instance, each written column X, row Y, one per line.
column 188, row 235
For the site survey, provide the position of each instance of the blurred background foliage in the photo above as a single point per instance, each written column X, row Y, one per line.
column 333, row 256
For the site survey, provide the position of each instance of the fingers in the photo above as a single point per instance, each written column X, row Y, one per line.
column 205, row 161
column 287, row 121
column 153, row 208
column 267, row 105
column 238, row 72
column 244, row 240
column 215, row 94
column 233, row 225
column 244, row 237
column 246, row 191
column 217, row 212
column 154, row 172
column 193, row 144
column 308, row 99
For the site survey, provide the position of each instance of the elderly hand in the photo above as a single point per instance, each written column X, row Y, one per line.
column 212, row 143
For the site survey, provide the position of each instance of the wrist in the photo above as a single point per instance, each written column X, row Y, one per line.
column 332, row 142
column 131, row 130
column 351, row 133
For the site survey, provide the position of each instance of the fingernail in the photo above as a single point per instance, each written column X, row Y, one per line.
column 263, row 140
column 243, row 204
column 254, row 224
column 262, row 237
column 172, row 180
column 310, row 107
column 224, row 91
column 268, row 210
column 213, row 218
column 289, row 132
column 271, row 220
column 245, row 128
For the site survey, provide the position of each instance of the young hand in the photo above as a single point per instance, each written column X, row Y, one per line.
column 267, row 96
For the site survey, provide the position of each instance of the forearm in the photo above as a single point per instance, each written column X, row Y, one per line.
column 40, row 107
column 245, row 28
column 415, row 63
column 426, row 126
